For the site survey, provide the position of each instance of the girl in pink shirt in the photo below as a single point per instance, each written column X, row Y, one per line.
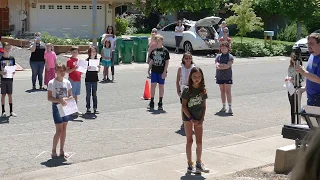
column 50, row 64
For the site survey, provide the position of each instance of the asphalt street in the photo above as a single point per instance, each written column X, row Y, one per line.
column 124, row 124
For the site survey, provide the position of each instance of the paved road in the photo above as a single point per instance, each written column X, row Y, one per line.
column 124, row 125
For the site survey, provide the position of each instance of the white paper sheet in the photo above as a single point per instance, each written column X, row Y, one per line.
column 312, row 109
column 93, row 63
column 290, row 87
column 82, row 66
column 69, row 109
column 9, row 71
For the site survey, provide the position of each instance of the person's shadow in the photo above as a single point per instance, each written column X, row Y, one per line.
column 89, row 116
column 4, row 120
column 189, row 176
column 223, row 114
column 156, row 112
column 55, row 162
column 35, row 90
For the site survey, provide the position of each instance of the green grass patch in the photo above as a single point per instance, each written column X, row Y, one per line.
column 145, row 34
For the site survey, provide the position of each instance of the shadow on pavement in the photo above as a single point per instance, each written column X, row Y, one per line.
column 74, row 119
column 34, row 90
column 89, row 116
column 222, row 114
column 4, row 120
column 55, row 162
column 154, row 111
column 189, row 176
column 181, row 132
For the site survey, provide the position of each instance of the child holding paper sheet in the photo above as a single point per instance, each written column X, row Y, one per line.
column 7, row 63
column 59, row 92
column 92, row 79
column 74, row 75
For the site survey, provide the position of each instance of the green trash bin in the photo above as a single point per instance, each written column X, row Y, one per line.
column 142, row 49
column 115, row 56
column 136, row 41
column 100, row 45
column 120, row 47
column 127, row 55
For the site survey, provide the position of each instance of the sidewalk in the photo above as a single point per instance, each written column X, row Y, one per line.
column 222, row 155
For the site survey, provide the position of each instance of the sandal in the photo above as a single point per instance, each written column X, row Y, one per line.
column 54, row 155
column 64, row 155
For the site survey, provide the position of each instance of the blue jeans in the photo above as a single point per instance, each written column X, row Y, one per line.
column 37, row 70
column 91, row 87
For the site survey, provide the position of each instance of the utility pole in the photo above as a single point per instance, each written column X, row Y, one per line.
column 94, row 23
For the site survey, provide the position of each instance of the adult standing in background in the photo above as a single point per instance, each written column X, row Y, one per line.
column 179, row 35
column 162, row 23
column 110, row 36
column 222, row 26
column 37, row 60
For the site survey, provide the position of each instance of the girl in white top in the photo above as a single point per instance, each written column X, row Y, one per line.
column 183, row 75
column 110, row 36
column 179, row 35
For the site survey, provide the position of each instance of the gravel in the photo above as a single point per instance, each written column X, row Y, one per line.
column 22, row 56
column 255, row 174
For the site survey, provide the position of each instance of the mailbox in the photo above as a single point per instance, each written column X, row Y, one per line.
column 267, row 34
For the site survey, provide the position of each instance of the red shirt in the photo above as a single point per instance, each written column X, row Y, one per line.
column 1, row 50
column 75, row 75
column 222, row 39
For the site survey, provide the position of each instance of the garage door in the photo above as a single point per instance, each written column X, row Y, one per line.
column 72, row 19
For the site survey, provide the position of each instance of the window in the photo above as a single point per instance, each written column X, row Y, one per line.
column 90, row 7
column 34, row 5
column 75, row 7
column 186, row 27
column 83, row 7
column 51, row 6
column 99, row 7
column 42, row 6
column 68, row 7
column 59, row 7
column 171, row 27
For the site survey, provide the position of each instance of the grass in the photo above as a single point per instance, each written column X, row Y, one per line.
column 246, row 39
column 238, row 39
column 142, row 34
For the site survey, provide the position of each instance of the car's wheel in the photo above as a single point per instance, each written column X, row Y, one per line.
column 187, row 46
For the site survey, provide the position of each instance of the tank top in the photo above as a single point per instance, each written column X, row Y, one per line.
column 184, row 76
column 106, row 53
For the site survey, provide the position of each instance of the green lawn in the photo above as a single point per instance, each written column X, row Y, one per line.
column 236, row 38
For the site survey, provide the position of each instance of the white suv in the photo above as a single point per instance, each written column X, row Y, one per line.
column 303, row 44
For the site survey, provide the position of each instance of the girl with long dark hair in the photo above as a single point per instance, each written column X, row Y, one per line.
column 110, row 36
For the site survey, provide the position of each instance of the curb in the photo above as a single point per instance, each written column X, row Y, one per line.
column 19, row 68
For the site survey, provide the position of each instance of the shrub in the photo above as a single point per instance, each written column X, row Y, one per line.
column 257, row 49
column 121, row 26
column 66, row 40
column 289, row 33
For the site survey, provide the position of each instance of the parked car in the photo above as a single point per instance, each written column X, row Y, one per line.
column 303, row 44
column 191, row 39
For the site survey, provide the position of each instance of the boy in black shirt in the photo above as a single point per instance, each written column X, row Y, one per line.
column 6, row 83
column 159, row 62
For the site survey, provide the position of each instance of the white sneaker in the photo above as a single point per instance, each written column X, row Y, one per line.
column 223, row 109
column 13, row 114
column 4, row 114
column 230, row 111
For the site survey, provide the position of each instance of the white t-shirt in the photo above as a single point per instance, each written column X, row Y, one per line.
column 111, row 39
column 59, row 89
column 179, row 28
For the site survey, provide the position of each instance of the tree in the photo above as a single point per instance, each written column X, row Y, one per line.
column 165, row 6
column 296, row 10
column 245, row 18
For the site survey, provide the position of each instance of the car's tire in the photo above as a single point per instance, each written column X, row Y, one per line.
column 187, row 47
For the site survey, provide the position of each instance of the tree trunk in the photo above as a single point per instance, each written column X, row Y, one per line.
column 298, row 30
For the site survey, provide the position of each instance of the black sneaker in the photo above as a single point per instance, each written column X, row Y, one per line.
column 160, row 106
column 190, row 168
column 151, row 105
column 96, row 111
column 88, row 111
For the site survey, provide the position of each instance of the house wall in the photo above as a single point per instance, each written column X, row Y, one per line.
column 15, row 9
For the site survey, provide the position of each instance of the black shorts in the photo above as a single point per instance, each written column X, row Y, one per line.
column 181, row 100
column 224, row 81
column 6, row 87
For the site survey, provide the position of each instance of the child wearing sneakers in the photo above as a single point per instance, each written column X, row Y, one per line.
column 74, row 75
column 59, row 91
column 159, row 62
column 224, row 63
column 194, row 109
column 6, row 83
